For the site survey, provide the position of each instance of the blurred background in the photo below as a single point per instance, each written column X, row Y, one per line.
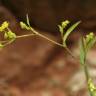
column 35, row 67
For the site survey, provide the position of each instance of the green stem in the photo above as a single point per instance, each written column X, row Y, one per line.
column 87, row 76
column 86, row 72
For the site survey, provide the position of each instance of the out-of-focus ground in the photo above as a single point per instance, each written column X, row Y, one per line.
column 34, row 66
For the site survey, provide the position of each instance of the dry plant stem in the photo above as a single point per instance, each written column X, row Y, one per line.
column 17, row 37
column 27, row 35
column 54, row 42
column 38, row 34
column 71, row 54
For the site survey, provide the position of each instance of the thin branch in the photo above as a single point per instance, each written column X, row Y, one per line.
column 22, row 36
column 7, row 42
column 52, row 41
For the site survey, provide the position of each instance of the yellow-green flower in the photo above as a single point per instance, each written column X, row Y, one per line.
column 65, row 23
column 4, row 26
column 24, row 26
column 91, row 87
column 9, row 35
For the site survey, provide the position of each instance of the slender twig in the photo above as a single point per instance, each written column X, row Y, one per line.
column 52, row 41
column 22, row 36
column 7, row 42
column 43, row 36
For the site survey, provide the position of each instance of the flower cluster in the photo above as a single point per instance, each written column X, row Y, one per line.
column 4, row 26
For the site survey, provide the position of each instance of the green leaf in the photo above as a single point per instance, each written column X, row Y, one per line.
column 82, row 51
column 69, row 31
column 61, row 30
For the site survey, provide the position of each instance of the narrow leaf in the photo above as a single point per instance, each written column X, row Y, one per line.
column 69, row 31
column 61, row 30
column 82, row 51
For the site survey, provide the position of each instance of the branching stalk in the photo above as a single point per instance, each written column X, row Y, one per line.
column 87, row 43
